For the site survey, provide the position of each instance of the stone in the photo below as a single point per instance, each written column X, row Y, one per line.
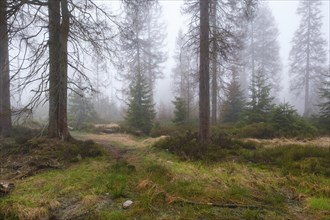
column 127, row 204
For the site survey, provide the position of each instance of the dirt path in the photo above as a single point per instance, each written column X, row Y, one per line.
column 115, row 151
column 119, row 145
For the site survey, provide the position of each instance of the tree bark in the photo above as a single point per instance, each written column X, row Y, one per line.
column 214, row 88
column 306, row 104
column 64, row 34
column 5, row 110
column 252, row 55
column 58, row 37
column 204, row 75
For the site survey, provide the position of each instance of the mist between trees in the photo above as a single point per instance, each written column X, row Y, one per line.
column 60, row 61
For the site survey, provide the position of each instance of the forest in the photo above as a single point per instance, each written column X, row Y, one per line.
column 155, row 109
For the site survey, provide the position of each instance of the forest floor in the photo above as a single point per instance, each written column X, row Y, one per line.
column 161, row 186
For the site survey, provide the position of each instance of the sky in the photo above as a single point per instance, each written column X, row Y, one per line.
column 284, row 12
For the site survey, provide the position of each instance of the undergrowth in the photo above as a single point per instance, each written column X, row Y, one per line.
column 182, row 186
column 294, row 159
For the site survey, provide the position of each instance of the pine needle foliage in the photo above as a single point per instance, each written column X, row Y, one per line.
column 324, row 106
column 234, row 103
column 180, row 111
column 81, row 110
column 261, row 102
column 141, row 112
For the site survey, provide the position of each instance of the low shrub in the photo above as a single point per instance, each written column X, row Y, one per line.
column 125, row 128
column 293, row 159
column 282, row 121
column 169, row 128
column 160, row 129
column 22, row 134
column 85, row 126
column 261, row 130
column 300, row 128
column 188, row 146
column 83, row 148
column 287, row 123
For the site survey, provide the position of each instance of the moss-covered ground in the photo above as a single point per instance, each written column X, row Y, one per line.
column 162, row 186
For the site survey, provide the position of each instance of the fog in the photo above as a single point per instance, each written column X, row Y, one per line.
column 287, row 22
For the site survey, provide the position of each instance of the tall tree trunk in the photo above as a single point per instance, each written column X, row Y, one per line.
column 204, row 75
column 54, row 67
column 58, row 36
column 151, row 82
column 5, row 111
column 214, row 88
column 189, row 70
column 253, row 74
column 306, row 104
column 63, row 102
column 252, row 52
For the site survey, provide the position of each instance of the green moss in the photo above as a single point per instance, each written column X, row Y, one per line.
column 232, row 181
column 115, row 215
column 320, row 203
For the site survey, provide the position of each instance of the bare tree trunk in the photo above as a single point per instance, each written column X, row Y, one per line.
column 189, row 70
column 58, row 36
column 204, row 75
column 54, row 67
column 306, row 106
column 5, row 111
column 214, row 88
column 151, row 82
column 63, row 118
column 252, row 54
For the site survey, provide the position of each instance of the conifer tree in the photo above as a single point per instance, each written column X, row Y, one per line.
column 180, row 111
column 184, row 74
column 324, row 106
column 142, row 40
column 233, row 105
column 81, row 110
column 140, row 113
column 230, row 16
column 80, row 107
column 262, row 49
column 308, row 55
column 260, row 104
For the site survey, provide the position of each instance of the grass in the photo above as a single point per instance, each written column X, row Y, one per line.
column 163, row 186
column 320, row 203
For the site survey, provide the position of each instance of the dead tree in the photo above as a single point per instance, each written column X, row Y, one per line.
column 204, row 76
column 5, row 109
column 71, row 25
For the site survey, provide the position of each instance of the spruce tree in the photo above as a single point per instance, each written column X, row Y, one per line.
column 262, row 49
column 184, row 74
column 180, row 111
column 142, row 41
column 308, row 55
column 260, row 104
column 81, row 110
column 324, row 106
column 140, row 113
column 233, row 105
